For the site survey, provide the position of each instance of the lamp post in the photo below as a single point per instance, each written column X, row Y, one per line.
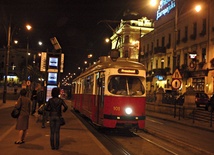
column 175, row 37
column 29, row 27
column 7, row 62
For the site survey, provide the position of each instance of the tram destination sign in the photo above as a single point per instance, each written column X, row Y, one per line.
column 128, row 71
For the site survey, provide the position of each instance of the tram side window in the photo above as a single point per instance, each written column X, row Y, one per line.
column 126, row 85
column 88, row 85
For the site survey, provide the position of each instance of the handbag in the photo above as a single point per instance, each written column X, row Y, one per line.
column 62, row 121
column 16, row 112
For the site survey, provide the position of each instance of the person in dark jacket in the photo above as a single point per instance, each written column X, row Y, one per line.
column 55, row 112
column 34, row 100
column 41, row 102
column 23, row 119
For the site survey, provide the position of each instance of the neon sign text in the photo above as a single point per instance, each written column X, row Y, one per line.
column 165, row 7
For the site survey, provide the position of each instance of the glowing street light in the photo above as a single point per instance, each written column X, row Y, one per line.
column 107, row 40
column 40, row 43
column 198, row 8
column 29, row 27
column 153, row 2
column 90, row 56
column 16, row 41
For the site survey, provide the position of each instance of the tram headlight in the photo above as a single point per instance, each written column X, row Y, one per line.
column 128, row 110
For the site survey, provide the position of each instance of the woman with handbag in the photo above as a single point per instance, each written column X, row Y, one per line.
column 55, row 112
column 23, row 104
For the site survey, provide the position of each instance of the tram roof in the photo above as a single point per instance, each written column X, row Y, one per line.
column 106, row 62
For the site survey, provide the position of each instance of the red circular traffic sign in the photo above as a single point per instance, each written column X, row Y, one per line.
column 176, row 83
column 28, row 83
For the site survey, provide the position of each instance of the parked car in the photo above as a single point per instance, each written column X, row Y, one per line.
column 201, row 99
column 210, row 104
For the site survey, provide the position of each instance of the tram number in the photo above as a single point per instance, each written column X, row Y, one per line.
column 116, row 108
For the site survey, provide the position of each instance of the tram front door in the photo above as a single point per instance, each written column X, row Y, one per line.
column 100, row 100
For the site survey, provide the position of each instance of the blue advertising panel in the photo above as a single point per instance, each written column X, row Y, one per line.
column 52, row 78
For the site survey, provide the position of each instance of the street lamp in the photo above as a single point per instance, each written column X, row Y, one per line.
column 107, row 40
column 40, row 43
column 29, row 27
column 198, row 8
column 153, row 2
column 7, row 62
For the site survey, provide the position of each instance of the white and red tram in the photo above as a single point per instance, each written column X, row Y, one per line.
column 112, row 93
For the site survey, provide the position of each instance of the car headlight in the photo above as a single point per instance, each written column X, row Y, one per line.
column 128, row 110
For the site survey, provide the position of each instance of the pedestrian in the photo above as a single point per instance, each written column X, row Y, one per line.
column 24, row 103
column 41, row 96
column 15, row 89
column 41, row 102
column 34, row 100
column 54, row 106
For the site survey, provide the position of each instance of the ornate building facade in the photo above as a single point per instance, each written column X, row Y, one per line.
column 126, row 37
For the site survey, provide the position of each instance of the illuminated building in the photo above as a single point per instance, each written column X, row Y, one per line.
column 127, row 34
column 185, row 42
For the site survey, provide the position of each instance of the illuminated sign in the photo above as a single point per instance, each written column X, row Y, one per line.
column 165, row 7
column 43, row 62
column 52, row 78
column 62, row 63
column 129, row 71
column 160, row 78
column 192, row 55
column 53, row 62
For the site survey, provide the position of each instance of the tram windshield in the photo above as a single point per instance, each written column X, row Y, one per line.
column 126, row 85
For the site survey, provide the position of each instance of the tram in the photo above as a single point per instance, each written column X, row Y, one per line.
column 111, row 93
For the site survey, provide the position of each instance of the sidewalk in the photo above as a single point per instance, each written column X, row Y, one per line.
column 74, row 138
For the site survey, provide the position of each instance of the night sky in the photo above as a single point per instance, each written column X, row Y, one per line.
column 75, row 23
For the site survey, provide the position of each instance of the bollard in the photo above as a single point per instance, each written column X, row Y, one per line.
column 175, row 109
column 193, row 119
column 179, row 114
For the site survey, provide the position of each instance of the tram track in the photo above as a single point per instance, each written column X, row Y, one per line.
column 121, row 142
column 156, row 144
column 112, row 146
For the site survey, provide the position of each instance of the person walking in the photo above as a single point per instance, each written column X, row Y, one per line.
column 41, row 96
column 41, row 102
column 24, row 103
column 54, row 106
column 34, row 100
